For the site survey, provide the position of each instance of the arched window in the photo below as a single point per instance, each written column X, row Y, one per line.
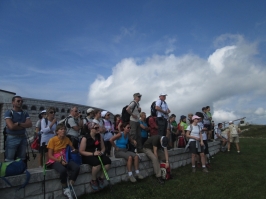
column 63, row 117
column 25, row 107
column 33, row 108
column 62, row 110
column 56, row 110
column 41, row 108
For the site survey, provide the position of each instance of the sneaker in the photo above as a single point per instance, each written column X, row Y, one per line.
column 94, row 185
column 208, row 166
column 100, row 182
column 193, row 169
column 160, row 180
column 132, row 178
column 205, row 170
column 67, row 193
column 139, row 176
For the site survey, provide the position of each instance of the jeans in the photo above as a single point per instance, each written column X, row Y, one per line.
column 15, row 147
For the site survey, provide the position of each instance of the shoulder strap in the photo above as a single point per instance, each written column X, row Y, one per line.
column 46, row 122
column 23, row 185
column 134, row 106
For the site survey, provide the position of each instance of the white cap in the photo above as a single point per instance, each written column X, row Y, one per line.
column 44, row 111
column 163, row 94
column 230, row 122
column 103, row 113
column 90, row 110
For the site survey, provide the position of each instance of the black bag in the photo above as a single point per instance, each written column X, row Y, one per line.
column 153, row 110
column 5, row 136
column 125, row 115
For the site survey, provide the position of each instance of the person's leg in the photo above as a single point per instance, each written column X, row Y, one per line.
column 21, row 150
column 94, row 171
column 155, row 162
column 129, row 164
column 160, row 122
column 73, row 171
column 138, row 137
column 62, row 172
column 12, row 144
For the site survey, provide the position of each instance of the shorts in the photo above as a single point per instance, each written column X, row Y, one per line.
column 193, row 149
column 94, row 160
column 208, row 126
column 124, row 153
column 234, row 139
column 15, row 147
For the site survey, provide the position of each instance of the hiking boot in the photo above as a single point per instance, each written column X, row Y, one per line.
column 139, row 176
column 67, row 193
column 160, row 180
column 193, row 169
column 94, row 185
column 100, row 182
column 205, row 170
column 208, row 166
column 132, row 179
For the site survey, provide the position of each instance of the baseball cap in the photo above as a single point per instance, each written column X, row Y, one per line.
column 163, row 94
column 195, row 117
column 230, row 122
column 44, row 111
column 90, row 110
column 103, row 113
column 137, row 94
column 164, row 141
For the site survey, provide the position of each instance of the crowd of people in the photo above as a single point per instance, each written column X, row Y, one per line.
column 96, row 135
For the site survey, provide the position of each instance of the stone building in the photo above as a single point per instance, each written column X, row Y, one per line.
column 34, row 107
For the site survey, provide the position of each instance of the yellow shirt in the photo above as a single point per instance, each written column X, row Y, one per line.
column 57, row 144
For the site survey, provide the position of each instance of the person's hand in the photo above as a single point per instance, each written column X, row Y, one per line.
column 134, row 143
column 201, row 143
column 167, row 165
column 97, row 153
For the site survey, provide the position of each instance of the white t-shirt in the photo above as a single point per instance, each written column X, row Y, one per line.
column 195, row 131
column 135, row 111
column 47, row 132
column 163, row 105
column 204, row 135
column 217, row 131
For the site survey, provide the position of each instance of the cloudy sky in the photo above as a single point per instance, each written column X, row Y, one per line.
column 99, row 53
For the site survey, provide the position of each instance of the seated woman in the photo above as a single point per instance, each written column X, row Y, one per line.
column 121, row 151
column 57, row 158
column 91, row 147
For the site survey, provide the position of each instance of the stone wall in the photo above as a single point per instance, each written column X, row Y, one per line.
column 117, row 173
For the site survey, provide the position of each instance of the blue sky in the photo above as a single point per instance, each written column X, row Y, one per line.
column 100, row 52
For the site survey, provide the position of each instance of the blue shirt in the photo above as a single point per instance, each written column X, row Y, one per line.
column 16, row 117
column 122, row 141
column 144, row 133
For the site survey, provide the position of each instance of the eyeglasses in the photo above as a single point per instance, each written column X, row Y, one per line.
column 129, row 127
column 52, row 112
column 76, row 111
column 18, row 101
column 96, row 128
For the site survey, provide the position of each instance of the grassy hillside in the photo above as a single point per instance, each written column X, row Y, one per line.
column 257, row 131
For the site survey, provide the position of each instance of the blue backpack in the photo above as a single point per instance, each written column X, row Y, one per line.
column 75, row 157
column 13, row 168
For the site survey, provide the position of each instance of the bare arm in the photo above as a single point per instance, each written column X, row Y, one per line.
column 155, row 151
column 112, row 139
column 166, row 157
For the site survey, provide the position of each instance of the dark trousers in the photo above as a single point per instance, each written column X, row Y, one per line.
column 162, row 126
column 71, row 168
column 108, row 147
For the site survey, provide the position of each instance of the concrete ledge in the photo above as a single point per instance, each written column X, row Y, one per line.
column 117, row 173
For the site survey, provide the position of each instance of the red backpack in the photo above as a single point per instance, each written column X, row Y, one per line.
column 166, row 173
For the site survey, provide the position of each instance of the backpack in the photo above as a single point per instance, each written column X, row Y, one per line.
column 12, row 168
column 153, row 110
column 166, row 173
column 234, row 131
column 75, row 157
column 65, row 121
column 181, row 142
column 82, row 130
column 179, row 127
column 125, row 115
column 147, row 121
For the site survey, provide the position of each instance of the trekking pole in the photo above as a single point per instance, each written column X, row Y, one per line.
column 33, row 154
column 44, row 168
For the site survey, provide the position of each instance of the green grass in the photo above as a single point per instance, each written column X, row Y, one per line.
column 232, row 176
column 258, row 131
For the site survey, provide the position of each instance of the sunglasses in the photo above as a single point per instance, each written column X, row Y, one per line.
column 18, row 101
column 128, row 127
column 96, row 128
column 52, row 112
column 108, row 115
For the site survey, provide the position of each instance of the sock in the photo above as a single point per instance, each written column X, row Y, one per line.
column 130, row 173
column 193, row 166
column 203, row 166
column 137, row 171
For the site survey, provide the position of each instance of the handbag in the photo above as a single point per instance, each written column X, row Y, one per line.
column 35, row 144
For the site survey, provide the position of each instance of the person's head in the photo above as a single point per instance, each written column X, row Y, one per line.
column 172, row 117
column 105, row 115
column 208, row 108
column 116, row 118
column 220, row 125
column 93, row 127
column 231, row 122
column 203, row 109
column 126, row 127
column 164, row 142
column 143, row 116
column 61, row 130
column 42, row 114
column 17, row 102
column 162, row 96
column 90, row 112
column 190, row 115
column 195, row 119
column 137, row 97
column 51, row 113
column 97, row 113
column 74, row 112
column 183, row 118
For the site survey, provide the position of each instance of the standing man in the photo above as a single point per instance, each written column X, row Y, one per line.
column 74, row 125
column 207, row 122
column 210, row 132
column 134, row 111
column 16, row 121
column 233, row 136
column 162, row 115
